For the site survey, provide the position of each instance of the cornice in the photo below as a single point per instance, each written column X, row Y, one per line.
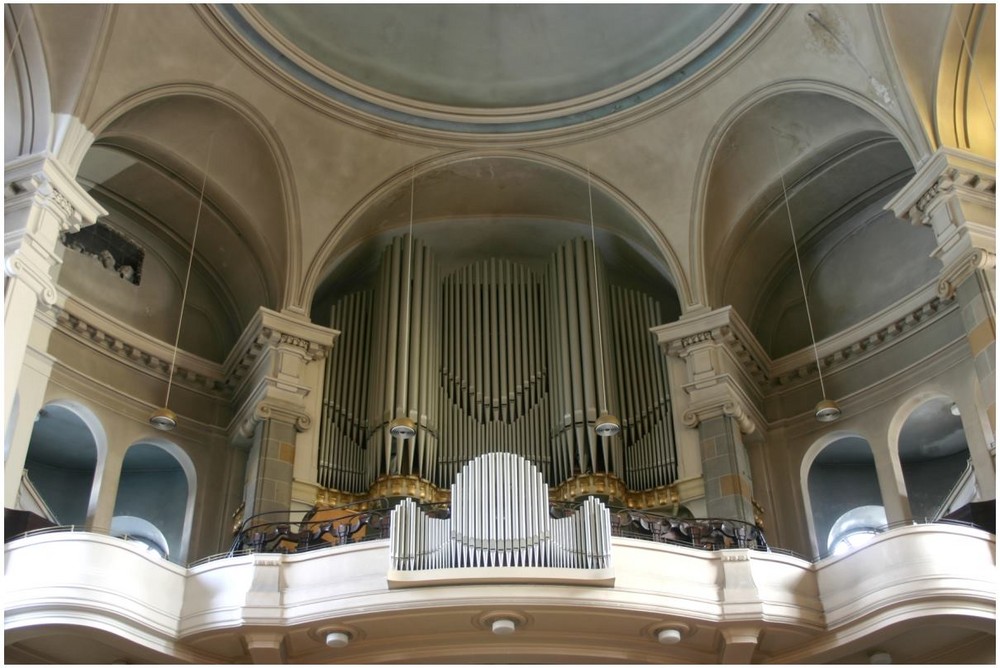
column 837, row 353
column 948, row 170
column 132, row 348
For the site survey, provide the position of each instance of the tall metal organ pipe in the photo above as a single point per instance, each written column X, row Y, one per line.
column 344, row 427
column 497, row 358
column 405, row 354
column 579, row 392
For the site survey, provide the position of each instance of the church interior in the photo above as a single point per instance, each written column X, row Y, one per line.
column 499, row 333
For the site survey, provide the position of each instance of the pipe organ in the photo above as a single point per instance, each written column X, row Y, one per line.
column 495, row 357
column 500, row 518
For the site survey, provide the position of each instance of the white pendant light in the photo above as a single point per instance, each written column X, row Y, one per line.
column 826, row 410
column 163, row 418
column 606, row 424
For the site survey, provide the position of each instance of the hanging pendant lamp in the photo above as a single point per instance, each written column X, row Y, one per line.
column 826, row 410
column 402, row 426
column 163, row 418
column 606, row 424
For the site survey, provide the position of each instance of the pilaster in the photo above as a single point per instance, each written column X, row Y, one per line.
column 276, row 374
column 954, row 193
column 720, row 397
column 41, row 202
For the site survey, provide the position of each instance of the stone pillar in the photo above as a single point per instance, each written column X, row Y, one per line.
column 954, row 193
column 41, row 202
column 276, row 371
column 719, row 398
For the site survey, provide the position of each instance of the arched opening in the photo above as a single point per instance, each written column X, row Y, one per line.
column 838, row 166
column 934, row 456
column 61, row 463
column 841, row 479
column 155, row 488
column 162, row 169
column 512, row 313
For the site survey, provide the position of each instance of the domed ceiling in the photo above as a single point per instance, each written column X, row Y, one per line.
column 490, row 68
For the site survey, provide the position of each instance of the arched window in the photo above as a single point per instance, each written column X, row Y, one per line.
column 154, row 493
column 934, row 456
column 61, row 461
column 841, row 479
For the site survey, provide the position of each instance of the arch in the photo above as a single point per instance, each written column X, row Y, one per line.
column 187, row 467
column 932, row 454
column 825, row 441
column 281, row 291
column 340, row 232
column 728, row 120
column 26, row 84
column 966, row 86
column 100, row 443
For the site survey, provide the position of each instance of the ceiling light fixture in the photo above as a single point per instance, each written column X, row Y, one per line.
column 337, row 639
column 606, row 424
column 826, row 410
column 669, row 636
column 163, row 418
column 503, row 626
column 402, row 426
column 880, row 658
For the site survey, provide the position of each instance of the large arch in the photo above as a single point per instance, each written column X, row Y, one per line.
column 385, row 208
column 839, row 158
column 27, row 103
column 153, row 156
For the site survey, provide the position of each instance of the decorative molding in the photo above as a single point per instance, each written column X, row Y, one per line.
column 955, row 274
column 134, row 349
column 848, row 347
column 947, row 171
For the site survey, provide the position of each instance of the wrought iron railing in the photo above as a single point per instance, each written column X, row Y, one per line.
column 290, row 532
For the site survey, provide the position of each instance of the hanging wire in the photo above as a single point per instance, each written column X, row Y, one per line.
column 600, row 335
column 798, row 262
column 187, row 276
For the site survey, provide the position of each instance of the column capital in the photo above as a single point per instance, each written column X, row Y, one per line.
column 41, row 179
column 726, row 367
column 954, row 193
column 41, row 202
column 266, row 370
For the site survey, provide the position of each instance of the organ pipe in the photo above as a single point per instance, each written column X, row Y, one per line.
column 584, row 369
column 496, row 358
column 403, row 359
column 343, row 430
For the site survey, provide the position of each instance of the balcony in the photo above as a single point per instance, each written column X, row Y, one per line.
column 920, row 593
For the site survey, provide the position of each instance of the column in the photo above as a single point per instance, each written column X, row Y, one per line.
column 954, row 193
column 278, row 384
column 718, row 400
column 41, row 202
